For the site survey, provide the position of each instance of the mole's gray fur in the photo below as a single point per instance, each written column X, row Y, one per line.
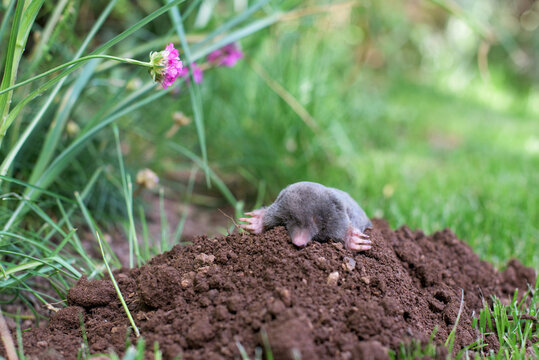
column 314, row 211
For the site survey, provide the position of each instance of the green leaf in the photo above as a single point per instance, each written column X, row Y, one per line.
column 194, row 90
column 9, row 71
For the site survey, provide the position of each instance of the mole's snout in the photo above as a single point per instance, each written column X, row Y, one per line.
column 300, row 237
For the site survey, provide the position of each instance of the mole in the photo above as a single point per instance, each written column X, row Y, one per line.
column 312, row 211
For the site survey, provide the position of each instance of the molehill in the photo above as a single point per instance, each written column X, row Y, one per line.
column 200, row 300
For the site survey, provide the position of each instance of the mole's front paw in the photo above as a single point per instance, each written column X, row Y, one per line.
column 255, row 221
column 356, row 240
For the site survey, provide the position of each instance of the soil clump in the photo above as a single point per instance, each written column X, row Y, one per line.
column 199, row 301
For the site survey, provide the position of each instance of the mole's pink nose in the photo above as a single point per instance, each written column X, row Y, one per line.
column 301, row 237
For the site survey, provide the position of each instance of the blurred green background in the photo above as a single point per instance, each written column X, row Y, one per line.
column 426, row 112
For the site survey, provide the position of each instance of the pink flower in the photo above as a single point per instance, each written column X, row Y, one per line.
column 166, row 65
column 197, row 73
column 228, row 55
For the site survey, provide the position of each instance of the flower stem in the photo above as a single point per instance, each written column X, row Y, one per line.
column 84, row 58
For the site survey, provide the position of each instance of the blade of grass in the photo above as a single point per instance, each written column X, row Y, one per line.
column 242, row 351
column 194, row 90
column 85, row 347
column 141, row 346
column 77, row 244
column 231, row 23
column 118, row 292
column 19, row 337
column 187, row 200
column 7, row 340
column 91, row 224
column 237, row 35
column 11, row 64
column 39, row 49
column 128, row 196
column 146, row 253
column 191, row 7
column 451, row 337
column 37, row 263
column 164, row 221
column 5, row 21
column 60, row 246
column 158, row 354
column 267, row 347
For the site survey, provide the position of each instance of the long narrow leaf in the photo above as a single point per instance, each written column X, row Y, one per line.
column 194, row 91
column 237, row 35
column 37, row 53
column 187, row 200
column 231, row 23
column 128, row 196
column 117, row 288
column 38, row 262
column 9, row 76
column 76, row 244
column 92, row 225
column 5, row 21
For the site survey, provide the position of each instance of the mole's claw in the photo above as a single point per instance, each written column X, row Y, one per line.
column 358, row 233
column 356, row 240
column 257, row 212
column 255, row 222
column 355, row 247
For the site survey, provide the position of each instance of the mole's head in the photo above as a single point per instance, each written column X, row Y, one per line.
column 304, row 208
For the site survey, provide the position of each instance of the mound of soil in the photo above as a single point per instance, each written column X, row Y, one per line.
column 199, row 301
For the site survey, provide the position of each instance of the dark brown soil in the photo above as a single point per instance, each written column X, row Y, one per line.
column 199, row 301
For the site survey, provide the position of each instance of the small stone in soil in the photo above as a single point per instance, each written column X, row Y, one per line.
column 349, row 264
column 333, row 278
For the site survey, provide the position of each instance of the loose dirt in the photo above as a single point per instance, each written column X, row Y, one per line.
column 199, row 301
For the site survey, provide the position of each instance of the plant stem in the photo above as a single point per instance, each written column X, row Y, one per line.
column 84, row 58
